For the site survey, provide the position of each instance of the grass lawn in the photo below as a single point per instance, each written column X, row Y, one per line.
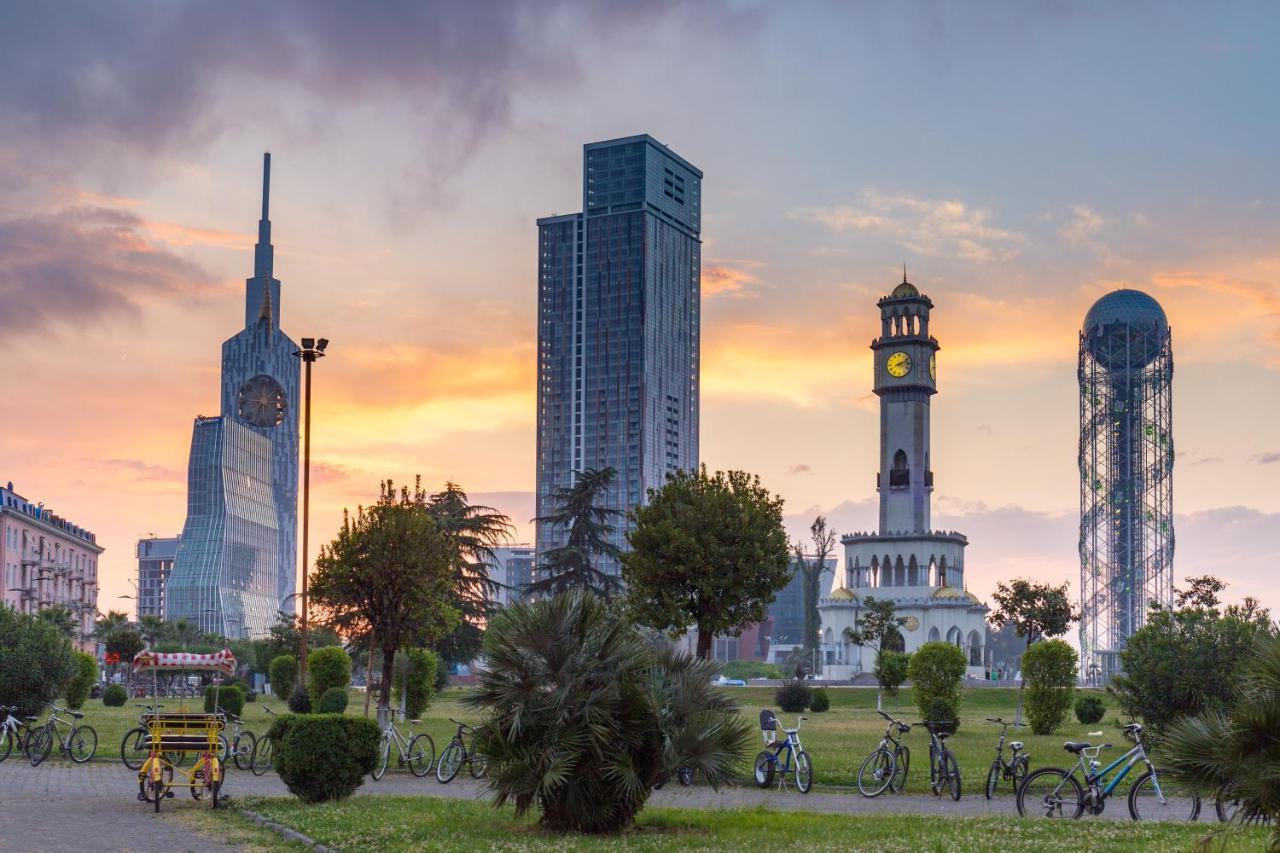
column 424, row 823
column 836, row 740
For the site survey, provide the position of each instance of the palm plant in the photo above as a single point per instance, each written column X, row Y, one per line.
column 1240, row 754
column 152, row 628
column 586, row 717
column 590, row 524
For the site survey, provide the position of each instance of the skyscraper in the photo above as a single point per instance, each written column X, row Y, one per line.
column 259, row 392
column 155, row 563
column 1126, row 473
column 618, row 327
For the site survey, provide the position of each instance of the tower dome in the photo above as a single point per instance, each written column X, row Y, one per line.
column 1125, row 328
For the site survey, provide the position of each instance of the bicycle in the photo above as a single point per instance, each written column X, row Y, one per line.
column 135, row 746
column 240, row 745
column 1056, row 793
column 1227, row 805
column 886, row 767
column 769, row 764
column 79, row 744
column 263, row 750
column 14, row 732
column 1015, row 769
column 457, row 753
column 417, row 751
column 944, row 771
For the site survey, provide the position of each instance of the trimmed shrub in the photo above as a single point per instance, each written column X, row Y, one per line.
column 251, row 696
column 1049, row 670
column 230, row 698
column 35, row 661
column 891, row 670
column 420, row 668
column 327, row 667
column 748, row 669
column 324, row 757
column 82, row 681
column 794, row 696
column 115, row 696
column 1090, row 709
column 821, row 700
column 442, row 673
column 936, row 670
column 334, row 701
column 300, row 700
column 284, row 672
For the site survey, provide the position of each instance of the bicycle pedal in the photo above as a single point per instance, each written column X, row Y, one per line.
column 169, row 795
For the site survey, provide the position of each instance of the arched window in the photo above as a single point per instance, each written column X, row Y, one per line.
column 942, row 572
column 913, row 572
column 975, row 649
column 899, row 573
column 954, row 637
column 934, row 634
column 900, row 473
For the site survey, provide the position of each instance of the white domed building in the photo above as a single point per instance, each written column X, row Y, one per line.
column 919, row 569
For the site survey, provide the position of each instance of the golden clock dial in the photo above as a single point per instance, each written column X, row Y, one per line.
column 899, row 364
column 933, row 366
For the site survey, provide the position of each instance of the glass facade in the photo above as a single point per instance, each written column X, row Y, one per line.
column 787, row 609
column 224, row 577
column 155, row 562
column 618, row 327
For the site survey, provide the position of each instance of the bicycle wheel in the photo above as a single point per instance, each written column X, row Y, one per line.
column 82, row 744
column 1020, row 769
column 479, row 765
column 6, row 745
column 901, row 764
column 936, row 770
column 765, row 767
column 383, row 758
column 153, row 790
column 224, row 748
column 1158, row 796
column 952, row 769
column 450, row 763
column 134, row 748
column 41, row 746
column 243, row 750
column 993, row 778
column 422, row 754
column 804, row 773
column 876, row 773
column 262, row 750
column 1052, row 793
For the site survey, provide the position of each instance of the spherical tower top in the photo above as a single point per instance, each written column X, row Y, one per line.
column 1125, row 328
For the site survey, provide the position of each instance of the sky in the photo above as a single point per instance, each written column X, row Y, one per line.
column 1022, row 159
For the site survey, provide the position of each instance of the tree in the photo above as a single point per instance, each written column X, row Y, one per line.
column 415, row 670
column 62, row 619
column 184, row 632
column 935, row 670
column 283, row 675
column 824, row 541
column 35, row 661
column 879, row 625
column 1201, row 593
column 707, row 551
column 1035, row 610
column 586, row 717
column 891, row 671
column 389, row 572
column 580, row 509
column 285, row 636
column 328, row 666
column 1188, row 660
column 1049, row 668
column 84, row 676
column 152, row 628
column 476, row 531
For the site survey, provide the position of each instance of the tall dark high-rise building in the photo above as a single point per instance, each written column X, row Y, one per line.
column 618, row 327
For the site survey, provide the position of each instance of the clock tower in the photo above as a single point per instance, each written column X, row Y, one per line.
column 906, row 369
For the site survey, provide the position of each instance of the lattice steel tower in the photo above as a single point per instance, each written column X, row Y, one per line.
column 1126, row 473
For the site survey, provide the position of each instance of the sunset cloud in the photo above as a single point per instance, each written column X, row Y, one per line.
column 730, row 278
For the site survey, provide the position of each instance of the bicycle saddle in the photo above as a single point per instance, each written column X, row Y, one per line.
column 76, row 714
column 942, row 735
column 768, row 721
column 1015, row 744
column 415, row 722
column 1074, row 748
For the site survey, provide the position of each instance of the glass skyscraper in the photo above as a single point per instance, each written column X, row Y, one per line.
column 224, row 578
column 618, row 324
column 260, row 379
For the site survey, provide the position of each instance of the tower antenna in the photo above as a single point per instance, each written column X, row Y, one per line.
column 904, row 270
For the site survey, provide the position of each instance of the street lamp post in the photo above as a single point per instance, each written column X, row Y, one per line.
column 311, row 351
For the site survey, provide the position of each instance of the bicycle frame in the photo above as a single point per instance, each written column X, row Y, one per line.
column 791, row 745
column 1132, row 757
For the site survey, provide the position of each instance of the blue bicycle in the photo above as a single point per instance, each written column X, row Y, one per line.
column 771, row 762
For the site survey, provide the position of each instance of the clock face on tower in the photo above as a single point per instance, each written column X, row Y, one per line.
column 933, row 366
column 261, row 402
column 899, row 364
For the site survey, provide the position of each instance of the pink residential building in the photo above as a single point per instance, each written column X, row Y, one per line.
column 48, row 562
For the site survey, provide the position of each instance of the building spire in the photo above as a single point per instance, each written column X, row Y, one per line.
column 904, row 263
column 262, row 253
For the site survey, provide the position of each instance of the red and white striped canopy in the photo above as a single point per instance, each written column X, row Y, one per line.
column 222, row 661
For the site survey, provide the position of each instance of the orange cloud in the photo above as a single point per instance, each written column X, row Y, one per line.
column 729, row 277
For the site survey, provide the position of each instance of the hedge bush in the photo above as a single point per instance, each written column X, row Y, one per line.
column 81, row 681
column 284, row 672
column 442, row 673
column 324, row 757
column 420, row 668
column 1090, row 709
column 230, row 698
column 794, row 696
column 1049, row 670
column 749, row 669
column 115, row 696
column 821, row 700
column 334, row 701
column 891, row 670
column 935, row 670
column 327, row 667
column 35, row 661
column 300, row 700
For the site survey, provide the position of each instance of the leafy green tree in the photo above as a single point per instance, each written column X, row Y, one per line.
column 891, row 671
column 1188, row 660
column 114, row 621
column 580, row 509
column 878, row 624
column 415, row 677
column 35, row 661
column 585, row 716
column 476, row 531
column 824, row 541
column 1049, row 668
column 284, row 674
column 389, row 574
column 1238, row 753
column 327, row 667
column 935, row 670
column 707, row 551
column 85, row 675
column 183, row 632
column 1036, row 611
column 62, row 619
column 285, row 636
column 153, row 629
